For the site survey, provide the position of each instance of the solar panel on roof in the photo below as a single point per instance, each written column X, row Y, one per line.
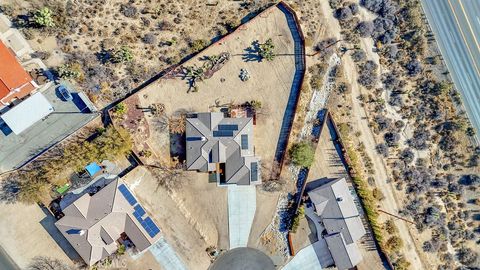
column 254, row 171
column 127, row 195
column 244, row 141
column 222, row 133
column 227, row 127
column 139, row 210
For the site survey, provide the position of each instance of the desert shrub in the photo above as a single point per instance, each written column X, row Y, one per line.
column 120, row 109
column 122, row 55
column 467, row 256
column 231, row 24
column 383, row 123
column 149, row 38
column 391, row 52
column 395, row 100
column 390, row 227
column 128, row 11
column 384, row 8
column 343, row 14
column 43, row 17
column 334, row 4
column 432, row 215
column 368, row 74
column 420, row 138
column 407, row 155
column 448, row 143
column 414, row 67
column 359, row 56
column 394, row 243
column 326, row 47
column 428, row 246
column 198, row 45
column 382, row 149
column 365, row 29
column 354, row 8
column 165, row 25
column 469, row 180
column 391, row 138
column 377, row 194
column 70, row 71
column 401, row 264
column 302, row 154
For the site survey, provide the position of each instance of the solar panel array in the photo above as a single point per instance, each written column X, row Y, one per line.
column 228, row 127
column 222, row 133
column 254, row 171
column 244, row 141
column 150, row 227
column 139, row 213
column 126, row 193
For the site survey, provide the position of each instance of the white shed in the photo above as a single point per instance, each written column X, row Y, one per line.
column 27, row 113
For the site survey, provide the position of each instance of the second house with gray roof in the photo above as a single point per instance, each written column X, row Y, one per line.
column 222, row 146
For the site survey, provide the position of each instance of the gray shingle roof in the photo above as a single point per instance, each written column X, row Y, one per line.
column 335, row 206
column 212, row 138
column 92, row 224
column 346, row 256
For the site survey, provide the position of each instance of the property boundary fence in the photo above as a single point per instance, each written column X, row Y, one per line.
column 300, row 67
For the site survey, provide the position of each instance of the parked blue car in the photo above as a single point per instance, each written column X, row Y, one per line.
column 65, row 93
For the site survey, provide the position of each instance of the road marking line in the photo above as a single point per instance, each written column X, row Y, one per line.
column 463, row 36
column 469, row 25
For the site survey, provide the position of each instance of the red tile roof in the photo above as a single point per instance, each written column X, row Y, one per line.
column 15, row 82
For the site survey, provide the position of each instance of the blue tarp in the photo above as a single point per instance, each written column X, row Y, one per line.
column 93, row 168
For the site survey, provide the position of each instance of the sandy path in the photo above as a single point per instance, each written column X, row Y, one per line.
column 389, row 204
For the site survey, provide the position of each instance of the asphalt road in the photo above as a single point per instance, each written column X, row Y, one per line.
column 456, row 25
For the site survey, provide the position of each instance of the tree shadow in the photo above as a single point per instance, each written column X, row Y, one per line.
column 252, row 53
column 9, row 189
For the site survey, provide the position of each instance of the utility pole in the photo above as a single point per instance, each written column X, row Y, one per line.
column 398, row 217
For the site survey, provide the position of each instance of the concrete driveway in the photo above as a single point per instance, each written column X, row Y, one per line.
column 166, row 256
column 307, row 258
column 242, row 203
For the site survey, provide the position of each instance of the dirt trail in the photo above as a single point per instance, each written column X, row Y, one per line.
column 389, row 204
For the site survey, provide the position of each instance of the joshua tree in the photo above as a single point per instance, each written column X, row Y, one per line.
column 44, row 17
column 194, row 74
column 123, row 55
column 266, row 50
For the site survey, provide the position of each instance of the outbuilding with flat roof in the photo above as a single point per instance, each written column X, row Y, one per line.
column 27, row 113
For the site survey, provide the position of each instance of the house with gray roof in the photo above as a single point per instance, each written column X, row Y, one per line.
column 335, row 206
column 222, row 146
column 95, row 225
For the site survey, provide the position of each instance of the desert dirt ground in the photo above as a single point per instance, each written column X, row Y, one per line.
column 24, row 234
column 270, row 83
